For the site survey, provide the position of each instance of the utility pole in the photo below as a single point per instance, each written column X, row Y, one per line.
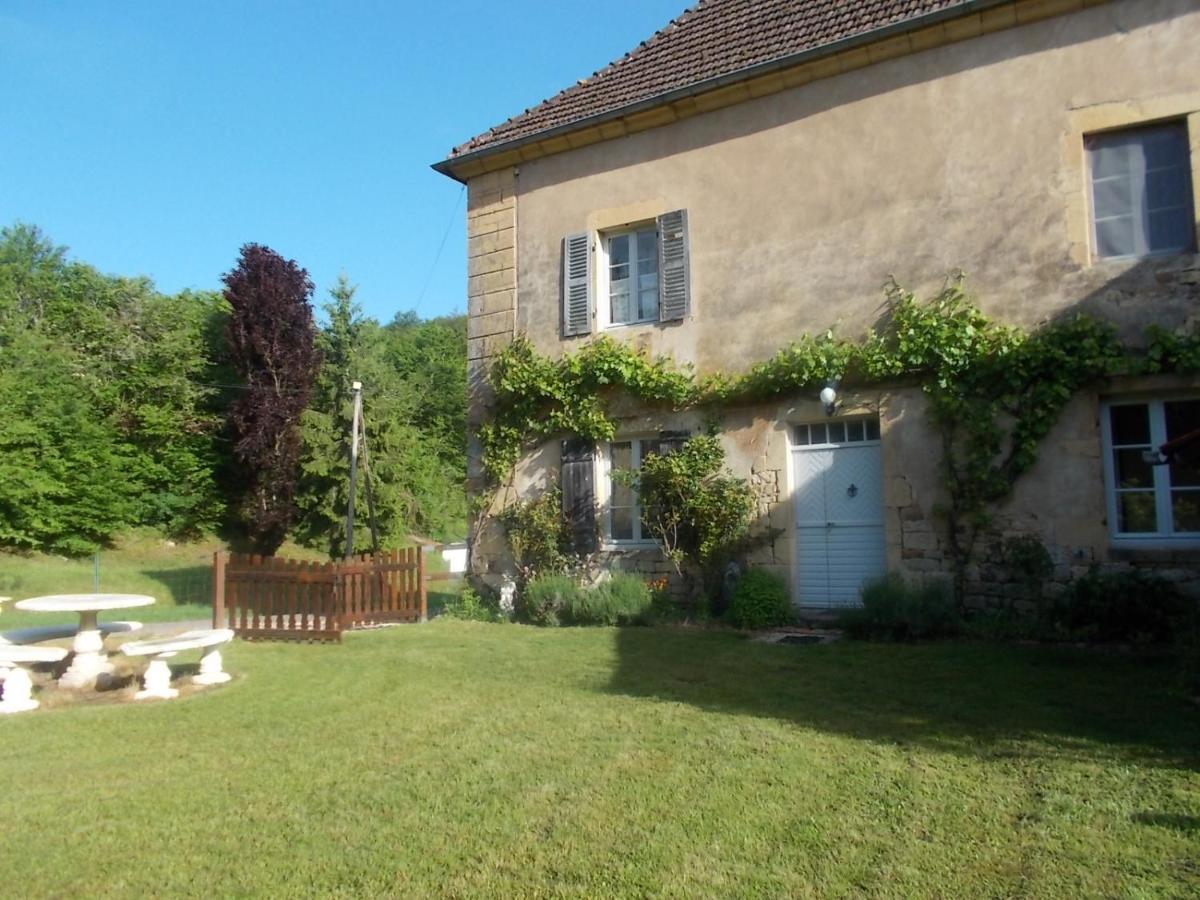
column 355, row 429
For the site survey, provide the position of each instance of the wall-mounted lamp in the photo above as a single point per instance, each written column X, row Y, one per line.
column 829, row 397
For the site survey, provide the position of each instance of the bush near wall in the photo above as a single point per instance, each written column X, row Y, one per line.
column 896, row 610
column 622, row 599
column 760, row 600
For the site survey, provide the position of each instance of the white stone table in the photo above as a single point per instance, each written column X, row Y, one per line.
column 90, row 659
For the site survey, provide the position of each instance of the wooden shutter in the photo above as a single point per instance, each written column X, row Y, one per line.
column 579, row 492
column 577, row 285
column 674, row 282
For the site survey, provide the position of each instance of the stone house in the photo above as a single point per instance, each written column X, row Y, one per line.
column 757, row 169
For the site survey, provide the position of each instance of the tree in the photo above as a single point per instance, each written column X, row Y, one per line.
column 65, row 484
column 272, row 346
column 695, row 508
column 326, row 425
column 113, row 374
column 414, row 391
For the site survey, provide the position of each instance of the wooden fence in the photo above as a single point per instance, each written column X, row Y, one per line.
column 265, row 597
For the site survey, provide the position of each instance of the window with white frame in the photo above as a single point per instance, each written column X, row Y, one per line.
column 1141, row 191
column 632, row 271
column 1149, row 497
column 838, row 431
column 623, row 509
column 624, row 512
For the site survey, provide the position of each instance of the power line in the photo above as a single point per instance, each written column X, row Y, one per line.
column 437, row 256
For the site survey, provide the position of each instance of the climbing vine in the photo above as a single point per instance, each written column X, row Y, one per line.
column 994, row 390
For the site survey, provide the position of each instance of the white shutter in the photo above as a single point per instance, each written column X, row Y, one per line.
column 577, row 285
column 674, row 282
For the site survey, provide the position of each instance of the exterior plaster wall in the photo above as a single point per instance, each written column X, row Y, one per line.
column 803, row 202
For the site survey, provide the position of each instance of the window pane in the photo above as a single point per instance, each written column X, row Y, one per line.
column 1109, row 157
column 1186, row 472
column 1116, row 237
column 1167, row 188
column 1169, row 229
column 1132, row 470
column 1130, row 424
column 872, row 429
column 801, row 434
column 648, row 246
column 1163, row 146
column 1182, row 416
column 1185, row 510
column 1135, row 513
column 620, row 307
column 622, row 499
column 618, row 250
column 648, row 305
column 1113, row 197
column 622, row 523
column 854, row 431
column 818, row 433
column 622, row 455
column 837, row 432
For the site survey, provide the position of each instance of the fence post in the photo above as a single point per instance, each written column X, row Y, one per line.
column 421, row 582
column 218, row 589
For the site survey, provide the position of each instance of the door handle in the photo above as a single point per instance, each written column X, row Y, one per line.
column 828, row 524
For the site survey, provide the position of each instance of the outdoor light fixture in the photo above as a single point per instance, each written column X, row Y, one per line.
column 829, row 397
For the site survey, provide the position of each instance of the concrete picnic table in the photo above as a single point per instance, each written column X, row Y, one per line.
column 88, row 646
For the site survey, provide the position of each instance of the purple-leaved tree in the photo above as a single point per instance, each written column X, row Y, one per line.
column 271, row 341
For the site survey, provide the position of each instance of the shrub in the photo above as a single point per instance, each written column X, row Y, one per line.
column 695, row 508
column 623, row 599
column 538, row 535
column 1029, row 563
column 760, row 600
column 892, row 609
column 1132, row 606
column 544, row 598
column 470, row 606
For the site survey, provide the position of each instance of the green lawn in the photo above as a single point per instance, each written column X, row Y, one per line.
column 461, row 759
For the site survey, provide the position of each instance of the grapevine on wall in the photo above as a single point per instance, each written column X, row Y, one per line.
column 994, row 390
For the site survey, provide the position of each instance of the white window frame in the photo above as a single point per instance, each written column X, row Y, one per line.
column 1164, row 536
column 604, row 481
column 866, row 441
column 603, row 281
column 1138, row 195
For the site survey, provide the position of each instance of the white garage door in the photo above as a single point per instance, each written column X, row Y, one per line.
column 839, row 511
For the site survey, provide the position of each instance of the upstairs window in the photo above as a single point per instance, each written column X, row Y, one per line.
column 638, row 274
column 1141, row 191
column 633, row 276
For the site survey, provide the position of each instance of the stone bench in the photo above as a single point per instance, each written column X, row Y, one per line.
column 158, row 673
column 18, row 689
column 36, row 634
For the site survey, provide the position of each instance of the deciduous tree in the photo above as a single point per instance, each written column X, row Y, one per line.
column 272, row 346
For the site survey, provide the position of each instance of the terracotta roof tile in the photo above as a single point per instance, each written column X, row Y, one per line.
column 714, row 38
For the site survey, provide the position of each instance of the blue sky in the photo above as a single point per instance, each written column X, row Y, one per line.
column 157, row 137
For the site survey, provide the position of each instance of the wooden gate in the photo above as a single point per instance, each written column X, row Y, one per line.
column 266, row 597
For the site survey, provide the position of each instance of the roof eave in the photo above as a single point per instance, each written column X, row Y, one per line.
column 967, row 7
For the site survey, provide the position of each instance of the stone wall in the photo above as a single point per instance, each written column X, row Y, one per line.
column 491, row 313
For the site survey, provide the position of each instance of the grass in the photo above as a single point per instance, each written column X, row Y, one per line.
column 178, row 576
column 462, row 759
